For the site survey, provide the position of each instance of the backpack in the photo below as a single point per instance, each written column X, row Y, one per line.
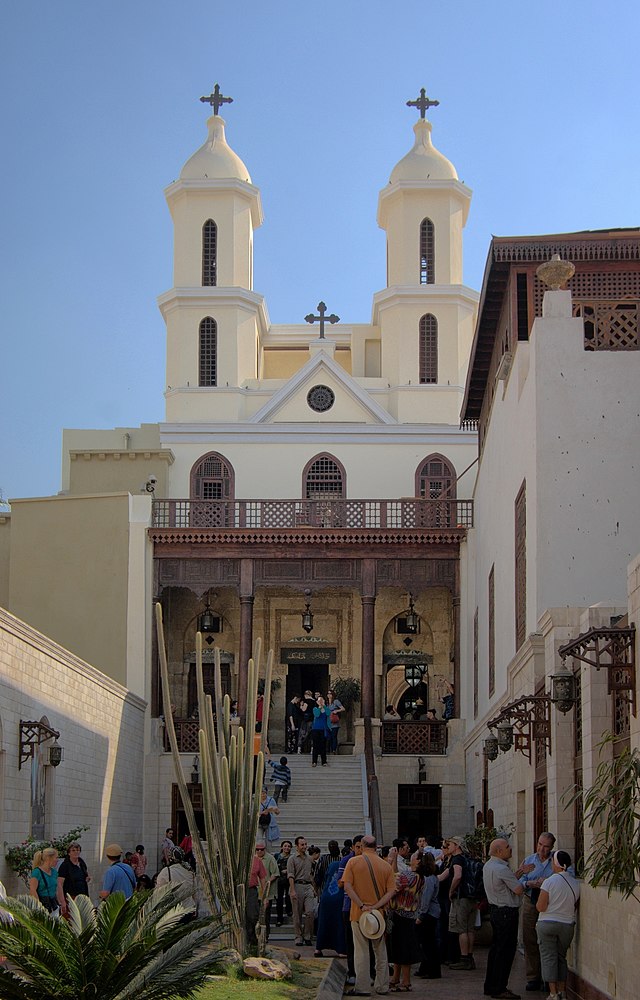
column 472, row 884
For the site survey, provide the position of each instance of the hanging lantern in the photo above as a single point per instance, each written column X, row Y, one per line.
column 207, row 621
column 307, row 615
column 411, row 618
column 56, row 754
column 490, row 747
column 563, row 689
column 504, row 730
column 413, row 674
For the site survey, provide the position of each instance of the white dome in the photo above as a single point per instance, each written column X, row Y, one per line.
column 424, row 162
column 215, row 160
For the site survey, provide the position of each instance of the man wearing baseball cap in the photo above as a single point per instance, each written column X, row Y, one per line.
column 119, row 877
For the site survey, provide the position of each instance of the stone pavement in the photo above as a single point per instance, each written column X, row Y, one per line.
column 452, row 986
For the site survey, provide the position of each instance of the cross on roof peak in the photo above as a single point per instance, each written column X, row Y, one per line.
column 322, row 318
column 423, row 103
column 215, row 99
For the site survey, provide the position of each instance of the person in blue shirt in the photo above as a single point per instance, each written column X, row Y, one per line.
column 119, row 877
column 532, row 872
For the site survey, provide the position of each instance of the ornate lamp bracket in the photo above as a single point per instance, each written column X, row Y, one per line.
column 32, row 734
column 530, row 719
column 612, row 649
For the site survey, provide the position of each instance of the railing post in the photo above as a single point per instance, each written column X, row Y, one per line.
column 245, row 651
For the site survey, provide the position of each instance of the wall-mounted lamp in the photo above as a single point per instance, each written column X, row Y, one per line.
column 490, row 748
column 307, row 614
column 563, row 689
column 32, row 734
column 610, row 648
column 504, row 730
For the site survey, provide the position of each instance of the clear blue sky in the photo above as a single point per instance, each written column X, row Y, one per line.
column 539, row 113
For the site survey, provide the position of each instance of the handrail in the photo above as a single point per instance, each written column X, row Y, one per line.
column 414, row 513
column 375, row 812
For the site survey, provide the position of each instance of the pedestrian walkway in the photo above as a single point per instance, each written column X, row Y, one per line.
column 452, row 986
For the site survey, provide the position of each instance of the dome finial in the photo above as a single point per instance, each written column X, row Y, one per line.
column 422, row 103
column 215, row 99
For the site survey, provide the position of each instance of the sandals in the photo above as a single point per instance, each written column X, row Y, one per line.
column 400, row 988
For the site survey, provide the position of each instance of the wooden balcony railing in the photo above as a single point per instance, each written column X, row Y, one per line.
column 326, row 513
column 414, row 737
column 186, row 735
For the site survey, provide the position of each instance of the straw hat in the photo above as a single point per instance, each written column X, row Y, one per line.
column 372, row 924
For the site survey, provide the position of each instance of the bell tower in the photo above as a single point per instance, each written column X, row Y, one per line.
column 212, row 314
column 425, row 313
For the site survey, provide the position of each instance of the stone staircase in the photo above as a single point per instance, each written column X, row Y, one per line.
column 325, row 803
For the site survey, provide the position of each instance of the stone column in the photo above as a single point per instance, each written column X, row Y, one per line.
column 246, row 631
column 367, row 674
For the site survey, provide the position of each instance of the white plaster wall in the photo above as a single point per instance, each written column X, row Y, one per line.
column 100, row 781
column 269, row 462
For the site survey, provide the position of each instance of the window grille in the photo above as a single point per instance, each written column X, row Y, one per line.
column 209, row 253
column 427, row 252
column 492, row 632
column 324, row 477
column 212, row 479
column 428, row 349
column 521, row 565
column 208, row 347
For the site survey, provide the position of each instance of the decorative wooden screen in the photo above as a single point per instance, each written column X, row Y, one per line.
column 324, row 477
column 209, row 253
column 492, row 632
column 208, row 352
column 475, row 665
column 609, row 326
column 428, row 349
column 521, row 565
column 427, row 252
column 436, row 480
column 212, row 478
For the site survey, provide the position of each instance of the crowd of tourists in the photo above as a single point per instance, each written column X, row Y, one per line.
column 412, row 909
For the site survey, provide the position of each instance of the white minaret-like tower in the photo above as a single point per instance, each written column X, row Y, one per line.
column 423, row 210
column 212, row 314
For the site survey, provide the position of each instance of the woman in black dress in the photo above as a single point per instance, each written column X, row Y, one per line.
column 72, row 873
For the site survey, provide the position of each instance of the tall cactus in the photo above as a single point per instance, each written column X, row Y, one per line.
column 230, row 795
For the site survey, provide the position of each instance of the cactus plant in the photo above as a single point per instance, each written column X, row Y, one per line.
column 231, row 784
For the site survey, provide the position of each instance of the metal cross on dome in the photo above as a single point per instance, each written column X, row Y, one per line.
column 422, row 103
column 322, row 318
column 215, row 99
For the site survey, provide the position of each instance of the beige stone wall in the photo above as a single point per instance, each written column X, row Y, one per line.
column 100, row 781
column 69, row 574
column 117, row 460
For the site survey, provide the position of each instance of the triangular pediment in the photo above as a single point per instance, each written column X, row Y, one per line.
column 352, row 403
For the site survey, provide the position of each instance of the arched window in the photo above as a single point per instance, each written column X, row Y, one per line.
column 212, row 478
column 208, row 352
column 209, row 253
column 428, row 349
column 323, row 476
column 436, row 478
column 427, row 252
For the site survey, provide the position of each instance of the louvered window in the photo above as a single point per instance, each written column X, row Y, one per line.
column 436, row 478
column 208, row 352
column 427, row 252
column 428, row 350
column 209, row 253
column 212, row 478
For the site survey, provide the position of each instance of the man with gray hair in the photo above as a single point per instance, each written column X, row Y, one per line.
column 369, row 882
column 532, row 872
column 503, row 893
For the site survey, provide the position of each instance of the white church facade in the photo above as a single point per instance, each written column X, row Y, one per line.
column 448, row 490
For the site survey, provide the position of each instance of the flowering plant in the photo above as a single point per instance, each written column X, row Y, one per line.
column 19, row 857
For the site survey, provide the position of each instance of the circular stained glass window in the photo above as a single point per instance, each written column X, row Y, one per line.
column 321, row 398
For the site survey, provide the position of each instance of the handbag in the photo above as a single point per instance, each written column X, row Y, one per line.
column 388, row 916
column 265, row 819
column 334, row 719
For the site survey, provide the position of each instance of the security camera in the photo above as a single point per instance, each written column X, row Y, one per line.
column 150, row 484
